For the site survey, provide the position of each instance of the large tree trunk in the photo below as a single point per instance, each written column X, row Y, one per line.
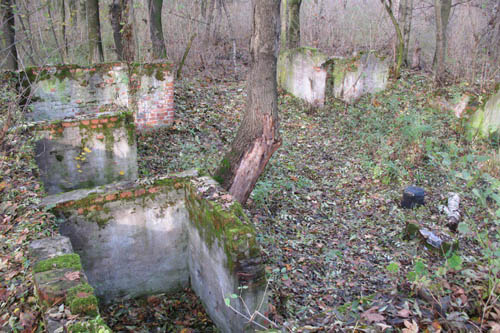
column 9, row 56
column 258, row 136
column 156, row 29
column 290, row 24
column 442, row 12
column 96, row 53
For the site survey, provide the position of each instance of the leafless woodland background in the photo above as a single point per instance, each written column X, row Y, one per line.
column 337, row 27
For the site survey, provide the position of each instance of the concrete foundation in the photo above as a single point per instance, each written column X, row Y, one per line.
column 137, row 239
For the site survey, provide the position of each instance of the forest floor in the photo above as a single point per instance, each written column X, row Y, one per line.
column 327, row 212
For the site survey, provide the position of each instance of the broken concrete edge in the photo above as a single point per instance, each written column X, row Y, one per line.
column 77, row 72
column 60, row 281
column 448, row 245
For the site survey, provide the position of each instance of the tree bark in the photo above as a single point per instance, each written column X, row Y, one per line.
column 258, row 135
column 442, row 12
column 9, row 56
column 156, row 29
column 290, row 24
column 399, row 34
column 96, row 53
column 404, row 20
column 118, row 12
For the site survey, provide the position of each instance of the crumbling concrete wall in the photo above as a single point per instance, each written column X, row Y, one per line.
column 300, row 73
column 83, row 153
column 156, row 236
column 67, row 91
column 351, row 78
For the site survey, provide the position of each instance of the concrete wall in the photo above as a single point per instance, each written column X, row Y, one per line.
column 86, row 152
column 68, row 91
column 138, row 239
column 351, row 78
column 300, row 73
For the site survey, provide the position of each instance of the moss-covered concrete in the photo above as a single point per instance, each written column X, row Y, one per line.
column 71, row 260
column 81, row 300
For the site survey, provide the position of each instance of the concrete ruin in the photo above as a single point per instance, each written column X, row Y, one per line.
column 485, row 121
column 68, row 91
column 352, row 78
column 158, row 236
column 300, row 73
column 83, row 153
column 309, row 74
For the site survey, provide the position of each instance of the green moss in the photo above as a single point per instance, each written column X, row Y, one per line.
column 81, row 300
column 96, row 325
column 230, row 228
column 223, row 170
column 65, row 261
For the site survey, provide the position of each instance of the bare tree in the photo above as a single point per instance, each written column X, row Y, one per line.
column 290, row 24
column 400, row 46
column 156, row 29
column 8, row 51
column 96, row 53
column 405, row 15
column 442, row 11
column 258, row 135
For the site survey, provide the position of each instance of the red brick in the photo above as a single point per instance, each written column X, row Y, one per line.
column 153, row 189
column 113, row 119
column 81, row 211
column 99, row 199
column 85, row 122
column 66, row 124
column 93, row 126
column 140, row 192
column 127, row 194
column 103, row 120
column 95, row 121
column 110, row 197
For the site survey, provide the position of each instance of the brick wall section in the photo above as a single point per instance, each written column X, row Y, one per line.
column 68, row 91
column 154, row 95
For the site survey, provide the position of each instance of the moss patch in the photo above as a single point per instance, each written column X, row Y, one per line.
column 96, row 325
column 65, row 261
column 81, row 300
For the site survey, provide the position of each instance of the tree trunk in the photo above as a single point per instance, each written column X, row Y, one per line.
column 258, row 135
column 156, row 29
column 290, row 24
column 400, row 45
column 8, row 35
column 116, row 9
column 96, row 53
column 404, row 20
column 442, row 12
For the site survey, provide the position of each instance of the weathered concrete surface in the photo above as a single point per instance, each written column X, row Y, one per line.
column 300, row 73
column 351, row 78
column 68, row 91
column 486, row 120
column 133, row 247
column 162, row 234
column 86, row 153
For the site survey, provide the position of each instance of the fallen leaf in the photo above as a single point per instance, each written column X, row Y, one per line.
column 72, row 276
column 371, row 316
column 410, row 327
column 404, row 313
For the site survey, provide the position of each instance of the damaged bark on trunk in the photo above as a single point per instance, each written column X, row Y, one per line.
column 258, row 135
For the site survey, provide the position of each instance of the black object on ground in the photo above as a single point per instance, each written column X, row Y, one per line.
column 413, row 196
